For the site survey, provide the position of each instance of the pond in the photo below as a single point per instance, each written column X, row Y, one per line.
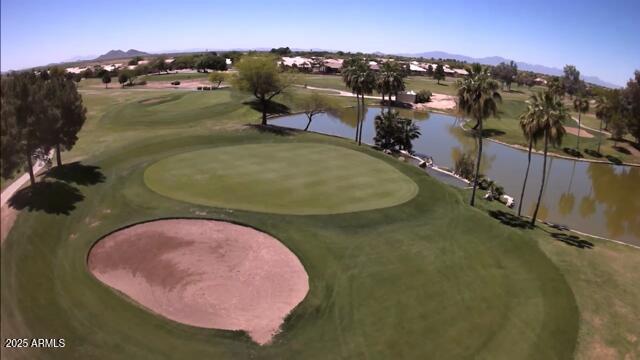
column 594, row 198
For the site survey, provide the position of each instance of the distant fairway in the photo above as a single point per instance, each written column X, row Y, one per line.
column 281, row 178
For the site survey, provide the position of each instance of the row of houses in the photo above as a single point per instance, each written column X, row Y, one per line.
column 332, row 66
column 118, row 66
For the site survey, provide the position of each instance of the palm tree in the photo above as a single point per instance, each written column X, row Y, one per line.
column 552, row 114
column 361, row 80
column 350, row 72
column 530, row 125
column 581, row 105
column 478, row 99
column 383, row 83
column 602, row 112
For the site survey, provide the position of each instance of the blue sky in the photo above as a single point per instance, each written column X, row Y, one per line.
column 601, row 38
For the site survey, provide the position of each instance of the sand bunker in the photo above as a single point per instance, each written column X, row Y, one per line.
column 204, row 273
column 574, row 131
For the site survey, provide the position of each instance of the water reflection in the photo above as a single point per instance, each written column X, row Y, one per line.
column 600, row 199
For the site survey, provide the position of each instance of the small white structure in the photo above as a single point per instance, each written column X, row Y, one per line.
column 406, row 97
column 75, row 70
column 297, row 62
column 415, row 68
column 228, row 62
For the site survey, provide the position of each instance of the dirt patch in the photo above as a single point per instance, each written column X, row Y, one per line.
column 204, row 273
column 574, row 131
column 438, row 101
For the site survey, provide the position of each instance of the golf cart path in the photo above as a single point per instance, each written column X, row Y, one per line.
column 16, row 185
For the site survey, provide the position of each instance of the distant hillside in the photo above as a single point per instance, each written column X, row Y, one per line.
column 119, row 54
column 495, row 60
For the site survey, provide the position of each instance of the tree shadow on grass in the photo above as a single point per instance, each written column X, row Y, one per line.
column 593, row 153
column 572, row 240
column 614, row 159
column 492, row 132
column 621, row 149
column 510, row 219
column 52, row 197
column 273, row 107
column 573, row 152
column 77, row 173
column 272, row 129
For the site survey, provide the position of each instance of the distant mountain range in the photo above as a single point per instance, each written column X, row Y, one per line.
column 495, row 60
column 119, row 54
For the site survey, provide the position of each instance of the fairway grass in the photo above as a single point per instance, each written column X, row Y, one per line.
column 427, row 278
column 298, row 179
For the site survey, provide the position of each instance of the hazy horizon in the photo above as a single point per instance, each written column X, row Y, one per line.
column 39, row 32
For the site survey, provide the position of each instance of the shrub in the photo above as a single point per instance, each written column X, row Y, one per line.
column 423, row 96
column 176, row 83
column 464, row 167
column 199, row 87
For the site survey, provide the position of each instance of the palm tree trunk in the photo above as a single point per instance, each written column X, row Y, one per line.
column 579, row 122
column 357, row 114
column 526, row 176
column 32, row 176
column 479, row 158
column 58, row 157
column 544, row 174
column 361, row 121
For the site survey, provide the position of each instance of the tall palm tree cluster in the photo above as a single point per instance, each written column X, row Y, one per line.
column 362, row 81
column 542, row 120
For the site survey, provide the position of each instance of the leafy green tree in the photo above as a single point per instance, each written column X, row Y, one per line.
column 438, row 73
column 282, row 51
column 183, row 62
column 552, row 114
column 478, row 99
column 123, row 77
column 571, row 80
column 430, row 70
column 259, row 76
column 211, row 62
column 631, row 98
column 618, row 127
column 217, row 78
column 314, row 104
column 160, row 64
column 581, row 105
column 506, row 73
column 463, row 166
column 106, row 79
column 24, row 116
column 69, row 114
column 531, row 129
column 135, row 60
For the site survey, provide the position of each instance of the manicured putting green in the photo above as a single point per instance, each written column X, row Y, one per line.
column 300, row 178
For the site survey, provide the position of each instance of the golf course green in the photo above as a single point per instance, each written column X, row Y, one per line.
column 281, row 178
column 399, row 266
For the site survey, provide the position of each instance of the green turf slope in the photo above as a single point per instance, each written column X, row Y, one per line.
column 429, row 278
